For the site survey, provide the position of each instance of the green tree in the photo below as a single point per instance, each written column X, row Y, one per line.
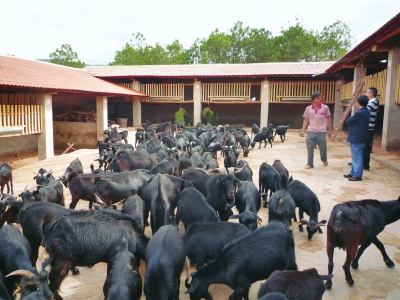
column 334, row 41
column 66, row 56
column 295, row 44
column 243, row 45
column 238, row 38
column 216, row 49
column 258, row 46
column 177, row 54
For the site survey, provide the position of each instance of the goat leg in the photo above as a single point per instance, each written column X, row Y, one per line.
column 351, row 252
column 381, row 248
column 330, row 249
column 360, row 251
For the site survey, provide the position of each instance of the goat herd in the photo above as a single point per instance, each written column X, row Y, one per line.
column 173, row 176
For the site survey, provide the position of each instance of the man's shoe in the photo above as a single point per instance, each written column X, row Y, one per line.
column 309, row 167
column 355, row 179
column 366, row 168
column 325, row 163
column 347, row 176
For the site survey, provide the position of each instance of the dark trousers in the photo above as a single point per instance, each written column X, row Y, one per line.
column 368, row 149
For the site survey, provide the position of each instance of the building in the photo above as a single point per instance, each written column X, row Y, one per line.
column 31, row 91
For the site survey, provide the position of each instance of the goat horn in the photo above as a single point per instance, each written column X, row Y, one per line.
column 119, row 202
column 5, row 199
column 22, row 272
column 98, row 200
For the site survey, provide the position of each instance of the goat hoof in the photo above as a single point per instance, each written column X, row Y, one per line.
column 350, row 282
column 354, row 266
column 328, row 285
column 265, row 204
column 389, row 263
column 75, row 271
column 320, row 230
column 301, row 229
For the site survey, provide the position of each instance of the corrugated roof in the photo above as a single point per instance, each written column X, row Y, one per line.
column 23, row 73
column 392, row 24
column 212, row 70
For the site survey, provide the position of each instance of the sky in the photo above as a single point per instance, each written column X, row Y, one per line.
column 97, row 29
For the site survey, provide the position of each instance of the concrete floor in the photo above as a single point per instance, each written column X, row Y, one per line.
column 373, row 280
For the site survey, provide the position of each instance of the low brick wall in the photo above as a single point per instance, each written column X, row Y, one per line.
column 82, row 134
column 11, row 144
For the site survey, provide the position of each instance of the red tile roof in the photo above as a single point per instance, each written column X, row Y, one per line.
column 23, row 73
column 212, row 70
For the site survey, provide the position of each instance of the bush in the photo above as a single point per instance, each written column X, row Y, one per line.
column 179, row 116
column 208, row 115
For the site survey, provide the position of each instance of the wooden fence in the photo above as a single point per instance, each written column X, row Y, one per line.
column 230, row 91
column 300, row 91
column 163, row 91
column 377, row 80
column 27, row 117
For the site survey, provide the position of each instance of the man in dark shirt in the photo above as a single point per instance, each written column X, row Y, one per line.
column 357, row 136
column 372, row 106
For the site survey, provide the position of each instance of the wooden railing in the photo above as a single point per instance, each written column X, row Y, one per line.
column 231, row 91
column 377, row 80
column 300, row 91
column 27, row 117
column 397, row 92
column 163, row 91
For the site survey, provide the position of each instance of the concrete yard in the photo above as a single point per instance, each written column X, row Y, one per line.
column 373, row 280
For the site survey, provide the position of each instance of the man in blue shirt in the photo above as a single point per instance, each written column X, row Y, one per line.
column 357, row 136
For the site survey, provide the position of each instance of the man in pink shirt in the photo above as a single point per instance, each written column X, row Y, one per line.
column 317, row 119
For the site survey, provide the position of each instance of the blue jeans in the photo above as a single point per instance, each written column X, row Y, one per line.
column 356, row 159
column 316, row 138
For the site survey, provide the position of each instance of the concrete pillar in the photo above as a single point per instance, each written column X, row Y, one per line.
column 359, row 73
column 46, row 139
column 264, row 98
column 196, row 102
column 390, row 130
column 337, row 109
column 136, row 106
column 102, row 116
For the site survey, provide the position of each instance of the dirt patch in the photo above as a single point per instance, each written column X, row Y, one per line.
column 23, row 158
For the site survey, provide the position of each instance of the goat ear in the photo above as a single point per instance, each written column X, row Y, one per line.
column 326, row 277
column 239, row 216
column 304, row 222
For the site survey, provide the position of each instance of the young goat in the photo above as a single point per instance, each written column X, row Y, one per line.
column 357, row 223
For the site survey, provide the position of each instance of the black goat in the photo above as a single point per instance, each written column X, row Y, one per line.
column 306, row 200
column 6, row 178
column 254, row 130
column 165, row 258
column 66, row 239
column 243, row 261
column 123, row 281
column 268, row 180
column 283, row 172
column 296, row 285
column 30, row 219
column 357, row 223
column 204, row 241
column 281, row 207
column 218, row 189
column 248, row 203
column 281, row 131
column 9, row 209
column 193, row 207
column 16, row 261
column 74, row 166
